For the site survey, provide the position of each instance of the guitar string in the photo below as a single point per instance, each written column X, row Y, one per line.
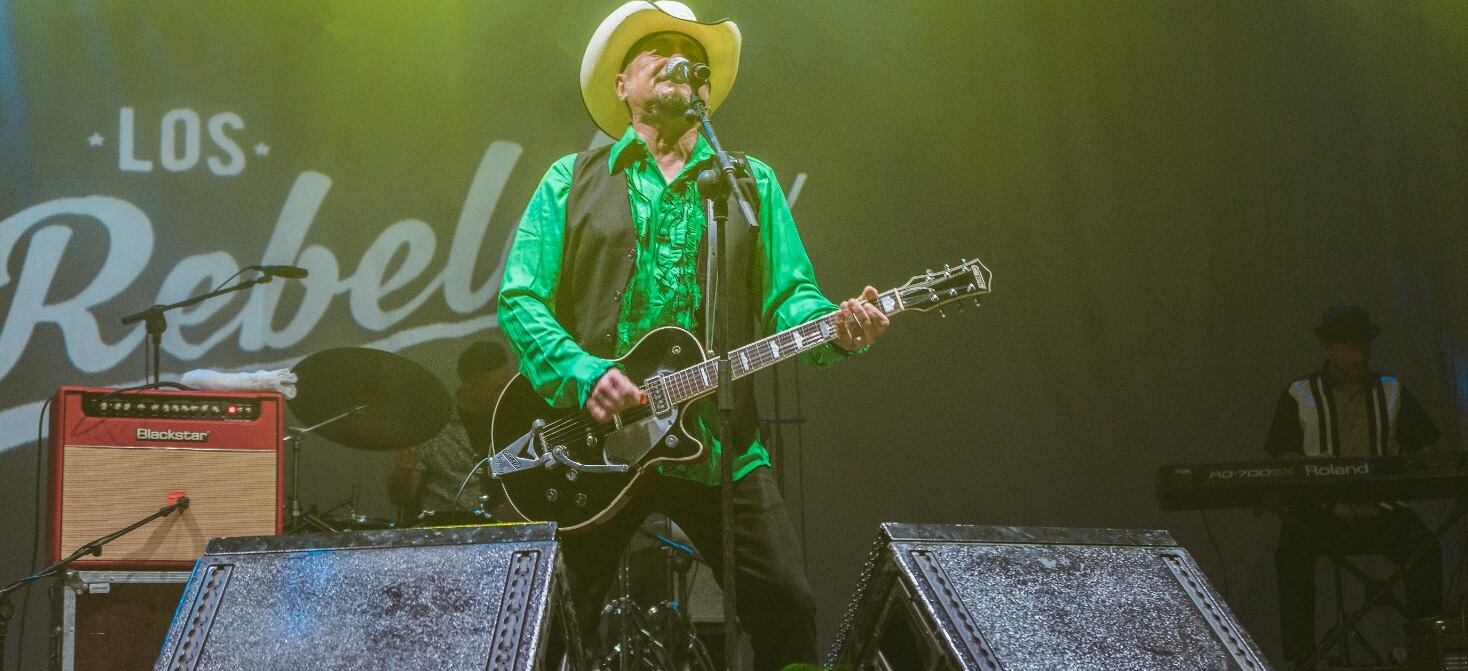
column 759, row 351
column 684, row 387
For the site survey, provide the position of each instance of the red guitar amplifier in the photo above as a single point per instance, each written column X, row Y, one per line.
column 115, row 458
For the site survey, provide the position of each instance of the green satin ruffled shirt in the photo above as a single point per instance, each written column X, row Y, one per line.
column 663, row 290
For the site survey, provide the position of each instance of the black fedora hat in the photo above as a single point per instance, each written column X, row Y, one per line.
column 1346, row 323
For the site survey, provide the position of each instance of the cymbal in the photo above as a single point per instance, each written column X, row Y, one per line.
column 401, row 403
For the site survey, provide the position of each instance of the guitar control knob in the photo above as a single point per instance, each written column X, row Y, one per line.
column 551, row 495
column 580, row 500
column 590, row 440
column 571, row 475
column 672, row 441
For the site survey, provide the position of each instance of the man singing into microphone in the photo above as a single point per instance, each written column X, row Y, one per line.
column 610, row 247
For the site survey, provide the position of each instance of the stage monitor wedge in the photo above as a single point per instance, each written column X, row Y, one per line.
column 1037, row 599
column 481, row 598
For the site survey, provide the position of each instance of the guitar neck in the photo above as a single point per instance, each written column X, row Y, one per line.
column 703, row 379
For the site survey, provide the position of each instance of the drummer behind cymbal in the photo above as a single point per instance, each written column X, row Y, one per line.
column 426, row 476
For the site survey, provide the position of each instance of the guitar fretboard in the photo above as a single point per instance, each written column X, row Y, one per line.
column 702, row 379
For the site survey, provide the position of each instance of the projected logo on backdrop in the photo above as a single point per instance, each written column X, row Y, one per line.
column 181, row 140
column 223, row 145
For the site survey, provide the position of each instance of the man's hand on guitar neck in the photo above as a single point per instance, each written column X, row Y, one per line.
column 860, row 323
column 612, row 394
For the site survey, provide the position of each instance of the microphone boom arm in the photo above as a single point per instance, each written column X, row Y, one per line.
column 699, row 113
column 156, row 323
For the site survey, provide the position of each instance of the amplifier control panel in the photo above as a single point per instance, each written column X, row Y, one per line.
column 170, row 406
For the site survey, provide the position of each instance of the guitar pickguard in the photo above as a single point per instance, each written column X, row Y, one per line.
column 632, row 442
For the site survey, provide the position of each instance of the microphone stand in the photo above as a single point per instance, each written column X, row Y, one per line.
column 715, row 187
column 93, row 548
column 156, row 324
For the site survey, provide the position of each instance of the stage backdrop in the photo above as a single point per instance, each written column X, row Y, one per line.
column 1168, row 194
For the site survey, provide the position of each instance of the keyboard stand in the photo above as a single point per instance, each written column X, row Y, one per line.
column 1383, row 588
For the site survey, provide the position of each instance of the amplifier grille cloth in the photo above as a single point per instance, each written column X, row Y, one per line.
column 231, row 493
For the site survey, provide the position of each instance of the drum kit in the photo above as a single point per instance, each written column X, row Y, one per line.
column 371, row 400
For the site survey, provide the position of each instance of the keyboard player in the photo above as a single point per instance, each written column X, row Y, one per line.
column 1347, row 410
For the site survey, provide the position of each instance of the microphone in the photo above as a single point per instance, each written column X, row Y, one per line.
column 684, row 71
column 292, row 272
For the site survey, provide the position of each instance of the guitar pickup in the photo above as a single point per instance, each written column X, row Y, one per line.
column 657, row 395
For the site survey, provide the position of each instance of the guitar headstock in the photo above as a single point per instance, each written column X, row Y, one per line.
column 937, row 288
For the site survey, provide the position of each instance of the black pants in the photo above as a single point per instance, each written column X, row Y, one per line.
column 1305, row 535
column 774, row 598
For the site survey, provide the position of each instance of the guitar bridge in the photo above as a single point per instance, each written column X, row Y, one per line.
column 521, row 455
column 657, row 396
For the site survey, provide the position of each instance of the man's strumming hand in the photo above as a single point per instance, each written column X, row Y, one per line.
column 612, row 394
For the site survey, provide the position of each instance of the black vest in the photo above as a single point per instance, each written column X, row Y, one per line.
column 599, row 256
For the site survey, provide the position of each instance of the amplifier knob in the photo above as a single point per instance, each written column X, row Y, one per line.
column 551, row 495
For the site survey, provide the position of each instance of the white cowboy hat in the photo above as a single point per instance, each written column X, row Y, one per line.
column 633, row 21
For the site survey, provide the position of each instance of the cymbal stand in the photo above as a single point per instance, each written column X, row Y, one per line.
column 300, row 519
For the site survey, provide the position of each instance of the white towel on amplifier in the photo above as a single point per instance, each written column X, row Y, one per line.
column 281, row 380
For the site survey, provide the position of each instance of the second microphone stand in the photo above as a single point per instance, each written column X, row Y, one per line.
column 156, row 324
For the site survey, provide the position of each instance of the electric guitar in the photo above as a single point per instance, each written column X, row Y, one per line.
column 558, row 464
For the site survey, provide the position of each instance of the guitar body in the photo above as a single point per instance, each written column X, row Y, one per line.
column 576, row 499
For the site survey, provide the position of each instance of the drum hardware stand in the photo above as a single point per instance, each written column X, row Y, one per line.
column 660, row 637
column 636, row 644
column 692, row 655
column 715, row 186
column 300, row 519
column 93, row 549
